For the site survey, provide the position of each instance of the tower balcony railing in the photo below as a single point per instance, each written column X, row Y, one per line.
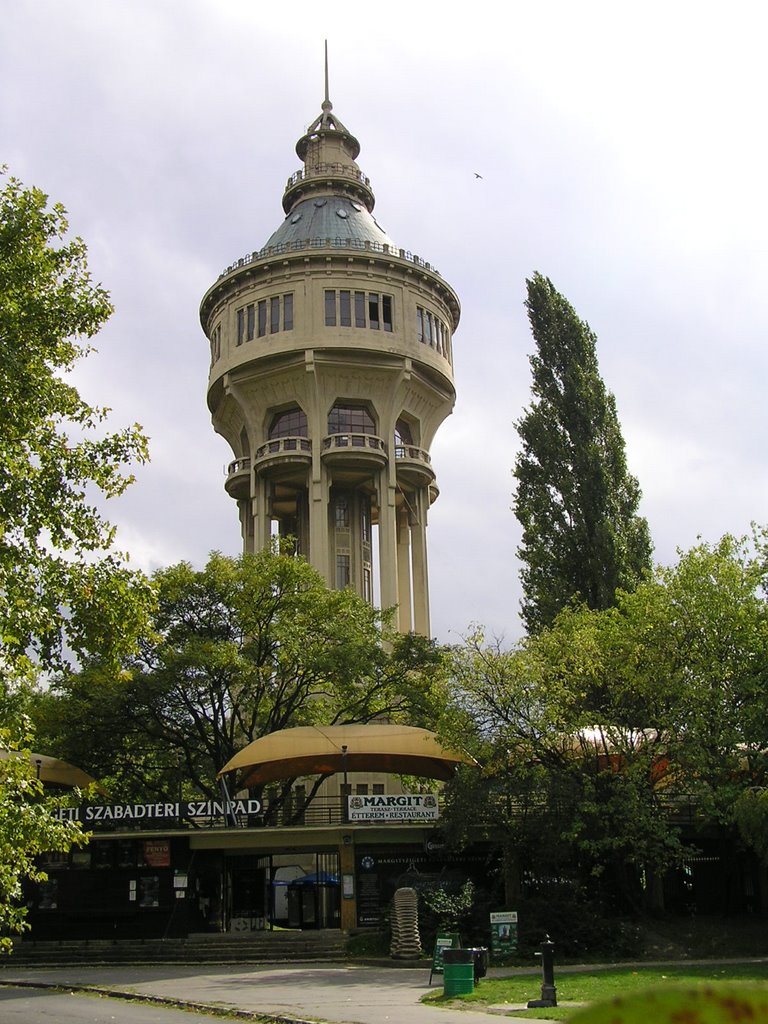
column 412, row 453
column 282, row 446
column 239, row 466
column 302, row 244
column 413, row 465
column 237, row 484
column 332, row 170
column 355, row 444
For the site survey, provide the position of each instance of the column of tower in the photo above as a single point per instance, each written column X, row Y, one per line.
column 331, row 370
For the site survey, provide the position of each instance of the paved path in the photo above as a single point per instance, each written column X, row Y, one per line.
column 339, row 993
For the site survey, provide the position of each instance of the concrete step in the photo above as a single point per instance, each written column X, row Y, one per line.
column 261, row 947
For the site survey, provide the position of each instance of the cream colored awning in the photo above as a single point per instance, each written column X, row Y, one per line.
column 54, row 772
column 323, row 750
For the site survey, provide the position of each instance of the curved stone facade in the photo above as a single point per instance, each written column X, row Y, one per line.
column 331, row 370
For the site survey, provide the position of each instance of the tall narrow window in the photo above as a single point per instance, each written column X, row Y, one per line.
column 251, row 311
column 341, row 509
column 330, row 309
column 386, row 312
column 240, row 326
column 403, row 439
column 365, row 518
column 215, row 343
column 274, row 315
column 345, row 310
column 288, row 312
column 428, row 334
column 262, row 318
column 359, row 309
column 373, row 311
column 419, row 324
column 342, row 571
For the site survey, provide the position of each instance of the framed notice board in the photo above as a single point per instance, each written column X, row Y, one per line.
column 503, row 934
column 449, row 940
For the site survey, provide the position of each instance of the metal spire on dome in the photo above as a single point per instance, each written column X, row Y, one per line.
column 327, row 121
column 329, row 151
column 327, row 105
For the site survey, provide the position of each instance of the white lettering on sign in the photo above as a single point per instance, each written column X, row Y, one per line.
column 400, row 807
column 93, row 813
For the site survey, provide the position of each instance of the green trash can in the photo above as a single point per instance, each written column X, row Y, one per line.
column 458, row 972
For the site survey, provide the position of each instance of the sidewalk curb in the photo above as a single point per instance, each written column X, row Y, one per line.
column 180, row 1004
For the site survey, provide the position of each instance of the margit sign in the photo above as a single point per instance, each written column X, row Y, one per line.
column 403, row 807
column 93, row 814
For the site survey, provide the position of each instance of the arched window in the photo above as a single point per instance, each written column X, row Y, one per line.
column 350, row 419
column 403, row 435
column 291, row 423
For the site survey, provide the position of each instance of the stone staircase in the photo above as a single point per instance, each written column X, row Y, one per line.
column 252, row 948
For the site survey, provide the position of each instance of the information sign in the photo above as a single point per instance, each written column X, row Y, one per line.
column 503, row 934
column 450, row 940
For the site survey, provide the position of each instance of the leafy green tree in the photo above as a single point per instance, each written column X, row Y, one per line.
column 576, row 501
column 61, row 588
column 240, row 649
column 597, row 730
column 27, row 826
column 59, row 583
column 715, row 624
column 563, row 794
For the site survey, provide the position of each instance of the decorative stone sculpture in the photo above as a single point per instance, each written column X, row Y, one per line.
column 406, row 942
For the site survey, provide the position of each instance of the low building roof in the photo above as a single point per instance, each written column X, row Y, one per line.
column 53, row 771
column 324, row 750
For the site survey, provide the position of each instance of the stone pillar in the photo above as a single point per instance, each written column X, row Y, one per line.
column 261, row 517
column 387, row 541
column 419, row 564
column 405, row 624
column 319, row 537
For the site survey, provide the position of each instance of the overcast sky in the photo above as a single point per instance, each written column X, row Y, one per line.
column 623, row 153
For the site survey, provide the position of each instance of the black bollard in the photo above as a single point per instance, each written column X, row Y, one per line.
column 548, row 990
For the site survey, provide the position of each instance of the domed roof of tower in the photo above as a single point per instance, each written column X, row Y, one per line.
column 330, row 219
column 329, row 201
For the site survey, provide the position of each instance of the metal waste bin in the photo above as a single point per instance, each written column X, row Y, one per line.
column 458, row 972
column 480, row 956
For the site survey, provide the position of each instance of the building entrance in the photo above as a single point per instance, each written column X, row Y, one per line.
column 288, row 890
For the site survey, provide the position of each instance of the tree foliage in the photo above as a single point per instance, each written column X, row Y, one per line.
column 240, row 649
column 61, row 588
column 575, row 499
column 27, row 826
column 59, row 584
column 596, row 731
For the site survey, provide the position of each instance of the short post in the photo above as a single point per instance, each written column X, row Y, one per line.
column 548, row 990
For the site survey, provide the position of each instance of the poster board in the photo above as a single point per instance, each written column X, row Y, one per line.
column 503, row 935
column 448, row 940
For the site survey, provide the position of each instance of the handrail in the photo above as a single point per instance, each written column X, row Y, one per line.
column 410, row 451
column 301, row 244
column 239, row 466
column 282, row 445
column 336, row 170
column 349, row 439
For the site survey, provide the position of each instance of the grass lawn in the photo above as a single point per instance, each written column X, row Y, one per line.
column 598, row 984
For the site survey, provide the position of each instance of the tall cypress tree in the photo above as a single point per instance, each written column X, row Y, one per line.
column 575, row 499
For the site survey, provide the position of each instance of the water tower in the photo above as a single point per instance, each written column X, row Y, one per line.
column 331, row 371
